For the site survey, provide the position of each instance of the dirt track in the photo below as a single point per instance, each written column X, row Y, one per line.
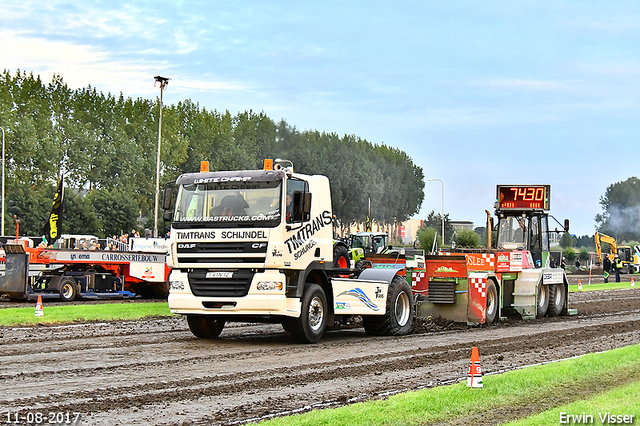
column 155, row 372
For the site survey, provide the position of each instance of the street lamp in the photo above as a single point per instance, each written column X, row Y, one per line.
column 438, row 180
column 163, row 83
column 2, row 128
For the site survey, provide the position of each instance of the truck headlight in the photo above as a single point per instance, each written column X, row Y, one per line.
column 269, row 286
column 176, row 285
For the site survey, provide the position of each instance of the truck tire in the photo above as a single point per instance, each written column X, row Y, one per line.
column 557, row 296
column 492, row 302
column 398, row 318
column 542, row 301
column 68, row 289
column 205, row 326
column 341, row 257
column 310, row 326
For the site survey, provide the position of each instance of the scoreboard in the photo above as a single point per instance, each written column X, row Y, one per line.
column 523, row 197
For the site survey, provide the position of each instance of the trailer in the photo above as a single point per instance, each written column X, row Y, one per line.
column 82, row 274
column 520, row 275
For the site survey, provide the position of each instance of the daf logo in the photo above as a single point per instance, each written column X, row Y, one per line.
column 186, row 246
column 258, row 245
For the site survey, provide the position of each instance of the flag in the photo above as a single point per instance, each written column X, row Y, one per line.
column 54, row 222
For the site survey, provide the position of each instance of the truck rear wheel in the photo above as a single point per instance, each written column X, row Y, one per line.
column 398, row 318
column 68, row 289
column 557, row 295
column 492, row 302
column 205, row 326
column 310, row 326
column 543, row 300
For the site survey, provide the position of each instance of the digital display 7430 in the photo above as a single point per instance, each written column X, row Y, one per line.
column 523, row 197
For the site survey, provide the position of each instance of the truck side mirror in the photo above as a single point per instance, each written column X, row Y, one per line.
column 167, row 215
column 306, row 206
column 167, row 196
column 566, row 225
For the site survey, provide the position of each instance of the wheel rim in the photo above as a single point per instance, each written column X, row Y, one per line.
column 342, row 262
column 67, row 291
column 316, row 313
column 403, row 308
column 491, row 303
column 542, row 296
column 558, row 296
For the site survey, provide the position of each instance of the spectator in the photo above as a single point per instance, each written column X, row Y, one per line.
column 606, row 268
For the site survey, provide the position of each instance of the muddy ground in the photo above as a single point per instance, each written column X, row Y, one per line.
column 154, row 372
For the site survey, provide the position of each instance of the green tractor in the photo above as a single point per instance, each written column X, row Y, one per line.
column 357, row 246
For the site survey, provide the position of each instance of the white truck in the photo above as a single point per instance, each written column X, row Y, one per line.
column 257, row 246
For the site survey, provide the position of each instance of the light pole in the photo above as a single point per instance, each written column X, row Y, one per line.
column 2, row 180
column 163, row 83
column 438, row 180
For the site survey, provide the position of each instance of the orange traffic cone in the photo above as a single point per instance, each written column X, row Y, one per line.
column 474, row 378
column 39, row 310
column 633, row 283
column 579, row 285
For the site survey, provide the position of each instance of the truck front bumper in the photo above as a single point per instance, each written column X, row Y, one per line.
column 256, row 302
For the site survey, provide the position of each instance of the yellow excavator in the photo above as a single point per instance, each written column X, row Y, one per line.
column 630, row 255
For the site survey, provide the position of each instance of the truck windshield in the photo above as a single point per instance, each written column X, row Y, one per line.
column 513, row 233
column 215, row 205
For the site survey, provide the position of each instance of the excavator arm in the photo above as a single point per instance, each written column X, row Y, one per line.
column 605, row 239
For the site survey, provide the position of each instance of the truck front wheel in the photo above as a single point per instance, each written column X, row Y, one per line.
column 310, row 326
column 205, row 326
column 398, row 318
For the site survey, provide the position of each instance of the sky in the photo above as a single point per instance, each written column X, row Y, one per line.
column 476, row 93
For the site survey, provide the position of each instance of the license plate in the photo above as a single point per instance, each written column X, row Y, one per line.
column 219, row 274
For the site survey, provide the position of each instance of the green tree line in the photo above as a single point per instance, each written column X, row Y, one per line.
column 106, row 145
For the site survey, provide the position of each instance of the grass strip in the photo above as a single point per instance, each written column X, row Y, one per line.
column 596, row 410
column 505, row 397
column 607, row 286
column 72, row 313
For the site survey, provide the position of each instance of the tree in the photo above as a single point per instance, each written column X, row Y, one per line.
column 566, row 240
column 584, row 255
column 434, row 220
column 569, row 254
column 621, row 210
column 108, row 144
column 586, row 241
column 117, row 212
column 426, row 235
column 467, row 238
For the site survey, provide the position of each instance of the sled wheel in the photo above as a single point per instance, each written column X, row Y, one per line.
column 492, row 302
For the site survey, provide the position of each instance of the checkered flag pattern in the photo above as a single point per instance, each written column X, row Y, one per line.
column 480, row 284
column 417, row 277
column 489, row 258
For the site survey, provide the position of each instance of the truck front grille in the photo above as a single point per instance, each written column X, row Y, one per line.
column 236, row 286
